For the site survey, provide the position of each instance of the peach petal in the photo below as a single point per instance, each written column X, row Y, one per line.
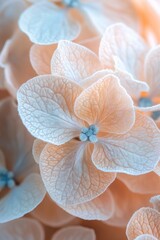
column 144, row 184
column 144, row 221
column 24, row 228
column 40, row 57
column 126, row 203
column 100, row 208
column 52, row 215
column 9, row 18
column 15, row 59
column 45, row 104
column 152, row 71
column 38, row 147
column 156, row 202
column 69, row 175
column 136, row 152
column 75, row 232
column 22, row 198
column 74, row 61
column 107, row 105
column 122, row 42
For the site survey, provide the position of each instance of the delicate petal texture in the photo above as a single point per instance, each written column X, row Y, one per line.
column 107, row 105
column 74, row 61
column 49, row 213
column 105, row 12
column 2, row 160
column 144, row 184
column 9, row 18
column 100, row 208
column 144, row 221
column 24, row 228
column 156, row 202
column 22, row 199
column 45, row 24
column 135, row 152
column 40, row 57
column 16, row 62
column 124, row 43
column 45, row 105
column 74, row 233
column 126, row 203
column 69, row 175
column 38, row 146
column 132, row 86
column 152, row 71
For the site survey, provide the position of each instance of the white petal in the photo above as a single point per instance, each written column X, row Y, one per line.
column 45, row 23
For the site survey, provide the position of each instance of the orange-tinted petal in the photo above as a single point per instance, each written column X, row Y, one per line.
column 144, row 221
column 144, row 184
column 40, row 57
column 69, row 175
column 75, row 232
column 74, row 61
column 49, row 213
column 135, row 152
column 100, row 208
column 107, row 105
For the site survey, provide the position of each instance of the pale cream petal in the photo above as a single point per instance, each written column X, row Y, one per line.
column 38, row 146
column 74, row 233
column 74, row 61
column 107, row 105
column 45, row 105
column 24, row 228
column 156, row 202
column 69, row 175
column 144, row 221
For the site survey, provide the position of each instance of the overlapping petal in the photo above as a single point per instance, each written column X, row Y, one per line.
column 24, row 228
column 143, row 184
column 38, row 146
column 69, row 175
column 74, row 61
column 156, row 202
column 122, row 42
column 45, row 24
column 49, row 213
column 74, row 232
column 22, row 199
column 136, row 152
column 144, row 221
column 107, row 105
column 46, row 107
column 100, row 208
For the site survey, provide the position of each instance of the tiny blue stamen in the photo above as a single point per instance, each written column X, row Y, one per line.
column 71, row 3
column 89, row 134
column 145, row 102
column 6, row 178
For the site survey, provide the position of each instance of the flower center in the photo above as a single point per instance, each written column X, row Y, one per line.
column 89, row 134
column 6, row 179
column 71, row 3
column 147, row 102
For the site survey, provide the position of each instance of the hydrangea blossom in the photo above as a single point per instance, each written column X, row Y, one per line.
column 48, row 22
column 21, row 187
column 87, row 135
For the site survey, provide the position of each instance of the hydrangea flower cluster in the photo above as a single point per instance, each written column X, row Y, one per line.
column 79, row 120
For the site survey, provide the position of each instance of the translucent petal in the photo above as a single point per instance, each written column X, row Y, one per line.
column 45, row 24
